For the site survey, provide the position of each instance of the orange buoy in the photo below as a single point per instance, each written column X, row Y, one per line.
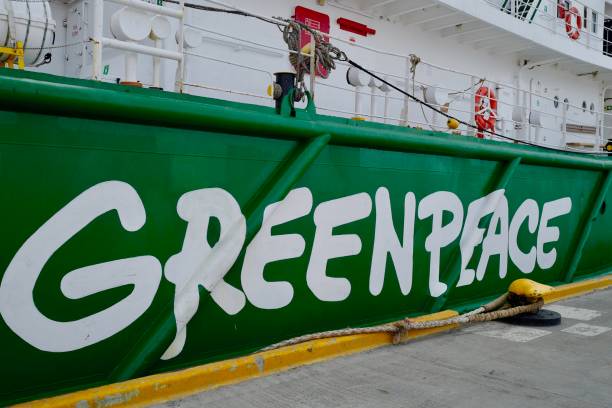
column 485, row 103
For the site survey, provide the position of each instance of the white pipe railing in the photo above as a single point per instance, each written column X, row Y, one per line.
column 229, row 91
column 100, row 41
column 351, row 44
column 422, row 124
column 98, row 35
column 590, row 39
column 404, row 79
column 180, row 69
column 263, row 71
column 358, row 110
column 153, row 8
column 141, row 49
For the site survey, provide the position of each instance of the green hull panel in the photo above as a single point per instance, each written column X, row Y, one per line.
column 67, row 146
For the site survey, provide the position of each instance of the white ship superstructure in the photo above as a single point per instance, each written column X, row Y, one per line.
column 544, row 63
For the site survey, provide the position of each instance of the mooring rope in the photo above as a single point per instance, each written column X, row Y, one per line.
column 497, row 309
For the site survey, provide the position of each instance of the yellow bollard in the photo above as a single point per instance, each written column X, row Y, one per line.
column 528, row 290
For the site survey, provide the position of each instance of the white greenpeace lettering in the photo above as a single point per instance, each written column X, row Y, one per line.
column 494, row 243
column 529, row 211
column 546, row 234
column 199, row 264
column 434, row 206
column 387, row 242
column 144, row 272
column 266, row 248
column 326, row 246
column 473, row 235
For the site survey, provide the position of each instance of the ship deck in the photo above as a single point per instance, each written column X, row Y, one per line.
column 492, row 364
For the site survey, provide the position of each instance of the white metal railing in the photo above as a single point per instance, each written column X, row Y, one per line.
column 561, row 117
column 386, row 117
column 462, row 96
column 100, row 41
column 545, row 14
column 394, row 75
column 176, row 56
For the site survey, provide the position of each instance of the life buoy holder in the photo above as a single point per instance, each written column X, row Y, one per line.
column 561, row 11
column 485, row 110
column 573, row 30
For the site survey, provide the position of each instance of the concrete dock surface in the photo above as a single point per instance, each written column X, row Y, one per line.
column 484, row 365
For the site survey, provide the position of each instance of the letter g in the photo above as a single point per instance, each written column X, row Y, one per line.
column 144, row 272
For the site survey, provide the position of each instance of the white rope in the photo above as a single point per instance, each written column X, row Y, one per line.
column 400, row 327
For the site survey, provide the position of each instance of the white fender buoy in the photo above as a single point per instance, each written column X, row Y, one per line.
column 384, row 87
column 193, row 38
column 128, row 24
column 436, row 96
column 374, row 83
column 356, row 77
column 160, row 28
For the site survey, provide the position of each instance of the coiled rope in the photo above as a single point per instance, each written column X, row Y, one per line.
column 497, row 309
column 325, row 53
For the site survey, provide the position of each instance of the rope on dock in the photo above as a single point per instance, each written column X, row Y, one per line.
column 497, row 309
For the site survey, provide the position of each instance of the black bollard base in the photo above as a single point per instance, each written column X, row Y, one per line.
column 542, row 317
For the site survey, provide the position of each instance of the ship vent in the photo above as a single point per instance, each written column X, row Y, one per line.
column 575, row 128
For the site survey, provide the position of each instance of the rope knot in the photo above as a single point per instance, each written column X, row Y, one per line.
column 414, row 61
column 401, row 327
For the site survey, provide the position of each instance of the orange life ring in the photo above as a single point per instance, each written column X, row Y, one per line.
column 485, row 102
column 573, row 31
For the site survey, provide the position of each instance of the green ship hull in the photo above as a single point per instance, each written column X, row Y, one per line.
column 145, row 232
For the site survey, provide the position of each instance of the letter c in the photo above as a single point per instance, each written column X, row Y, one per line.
column 529, row 211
